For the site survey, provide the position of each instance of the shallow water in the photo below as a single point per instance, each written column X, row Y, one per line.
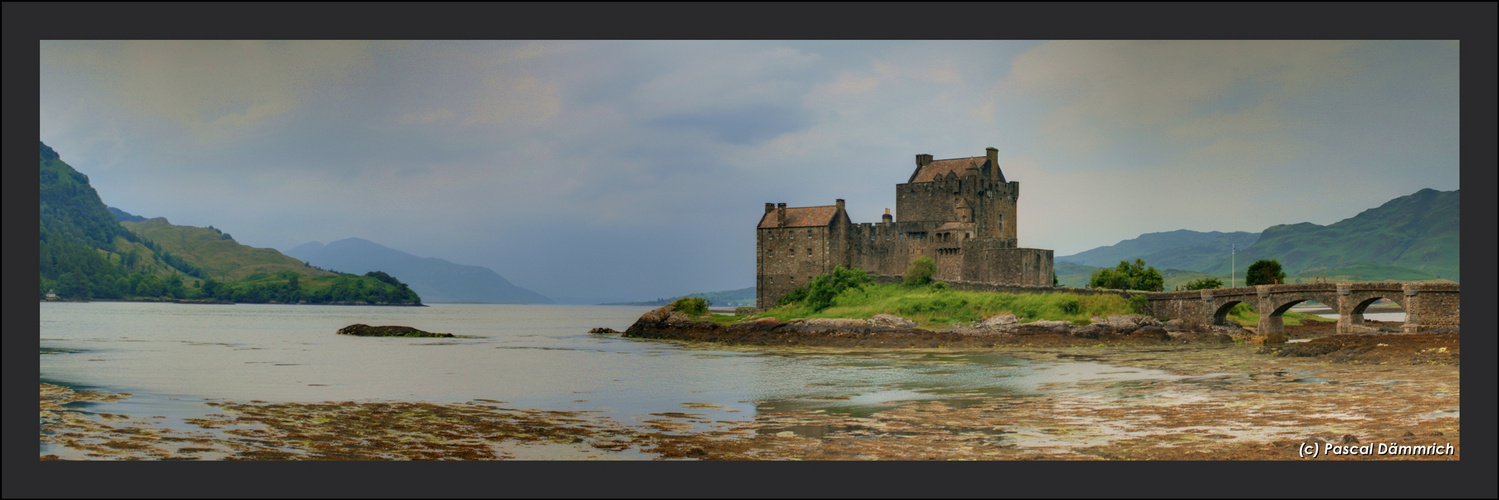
column 174, row 357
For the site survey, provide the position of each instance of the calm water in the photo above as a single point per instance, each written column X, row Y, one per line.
column 173, row 357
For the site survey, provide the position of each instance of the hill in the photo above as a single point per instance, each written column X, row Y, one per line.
column 87, row 253
column 1180, row 249
column 123, row 216
column 218, row 254
column 1410, row 237
column 437, row 280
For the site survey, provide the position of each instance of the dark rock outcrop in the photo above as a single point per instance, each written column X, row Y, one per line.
column 363, row 330
column 603, row 330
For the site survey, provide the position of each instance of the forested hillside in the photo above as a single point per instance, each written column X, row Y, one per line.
column 86, row 253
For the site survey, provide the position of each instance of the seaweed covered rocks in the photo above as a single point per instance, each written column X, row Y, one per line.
column 363, row 330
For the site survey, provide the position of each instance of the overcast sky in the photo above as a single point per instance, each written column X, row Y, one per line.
column 638, row 169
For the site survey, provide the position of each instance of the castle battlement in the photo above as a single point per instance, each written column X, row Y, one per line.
column 958, row 211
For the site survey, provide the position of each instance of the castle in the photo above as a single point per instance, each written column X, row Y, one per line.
column 959, row 211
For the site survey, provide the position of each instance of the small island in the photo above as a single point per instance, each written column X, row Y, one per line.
column 363, row 330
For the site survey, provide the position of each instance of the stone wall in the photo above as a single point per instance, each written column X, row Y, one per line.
column 788, row 258
column 1432, row 305
column 994, row 262
column 992, row 203
column 980, row 197
column 970, row 286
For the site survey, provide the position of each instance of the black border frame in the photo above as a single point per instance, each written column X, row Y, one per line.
column 25, row 24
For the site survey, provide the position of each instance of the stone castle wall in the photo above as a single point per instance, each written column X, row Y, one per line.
column 790, row 257
column 980, row 246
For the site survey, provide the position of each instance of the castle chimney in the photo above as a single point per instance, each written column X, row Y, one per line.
column 781, row 214
column 993, row 154
column 922, row 160
column 887, row 219
column 770, row 207
column 839, row 203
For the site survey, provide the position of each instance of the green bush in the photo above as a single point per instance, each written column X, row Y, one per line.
column 1127, row 276
column 1205, row 284
column 818, row 294
column 691, row 306
column 1264, row 272
column 1138, row 303
column 920, row 271
column 797, row 295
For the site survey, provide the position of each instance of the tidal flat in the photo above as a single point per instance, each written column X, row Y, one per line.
column 1147, row 402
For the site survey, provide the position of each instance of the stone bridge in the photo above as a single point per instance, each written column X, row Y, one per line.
column 1428, row 306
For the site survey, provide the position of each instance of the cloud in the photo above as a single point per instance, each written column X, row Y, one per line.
column 602, row 152
column 1101, row 89
column 212, row 88
column 719, row 78
column 524, row 100
column 427, row 117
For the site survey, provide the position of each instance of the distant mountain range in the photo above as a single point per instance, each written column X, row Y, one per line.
column 436, row 280
column 1410, row 238
column 1180, row 249
column 1418, row 232
column 743, row 297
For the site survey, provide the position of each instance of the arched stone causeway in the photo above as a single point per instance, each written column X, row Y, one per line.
column 1428, row 306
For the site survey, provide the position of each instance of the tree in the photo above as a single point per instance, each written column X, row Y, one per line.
column 1128, row 276
column 209, row 289
column 174, row 288
column 149, row 286
column 1205, row 284
column 920, row 271
column 74, row 285
column 1264, row 272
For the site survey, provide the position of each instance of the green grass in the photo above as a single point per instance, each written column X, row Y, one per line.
column 936, row 308
column 1246, row 315
column 222, row 258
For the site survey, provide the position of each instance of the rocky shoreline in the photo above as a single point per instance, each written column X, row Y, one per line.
column 885, row 330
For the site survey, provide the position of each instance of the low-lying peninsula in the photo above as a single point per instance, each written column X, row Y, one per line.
column 932, row 315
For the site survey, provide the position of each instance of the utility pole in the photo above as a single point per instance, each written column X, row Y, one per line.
column 1232, row 256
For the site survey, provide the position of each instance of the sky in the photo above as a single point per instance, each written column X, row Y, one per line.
column 635, row 170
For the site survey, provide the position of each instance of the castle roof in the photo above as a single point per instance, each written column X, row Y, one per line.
column 801, row 217
column 940, row 168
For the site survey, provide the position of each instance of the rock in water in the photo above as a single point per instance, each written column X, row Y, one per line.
column 603, row 330
column 363, row 330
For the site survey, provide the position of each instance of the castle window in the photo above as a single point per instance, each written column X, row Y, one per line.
column 809, row 232
column 809, row 250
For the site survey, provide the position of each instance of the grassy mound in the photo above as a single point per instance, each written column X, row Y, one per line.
column 935, row 306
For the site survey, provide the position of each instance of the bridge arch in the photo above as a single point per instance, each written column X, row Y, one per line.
column 1220, row 316
column 1352, row 319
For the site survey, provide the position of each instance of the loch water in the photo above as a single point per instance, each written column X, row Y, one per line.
column 172, row 358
